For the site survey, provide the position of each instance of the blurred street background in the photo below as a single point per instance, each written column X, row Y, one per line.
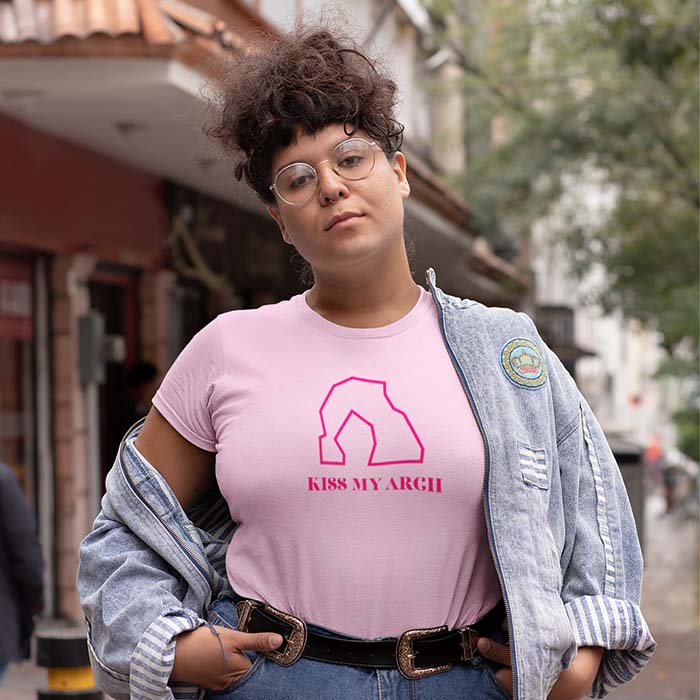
column 553, row 158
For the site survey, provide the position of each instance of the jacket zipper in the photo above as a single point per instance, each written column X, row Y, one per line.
column 191, row 554
column 487, row 467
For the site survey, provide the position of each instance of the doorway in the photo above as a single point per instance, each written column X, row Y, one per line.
column 114, row 293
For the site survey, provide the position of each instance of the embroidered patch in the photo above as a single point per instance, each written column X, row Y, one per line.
column 523, row 363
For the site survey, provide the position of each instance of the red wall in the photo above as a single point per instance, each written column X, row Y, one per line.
column 58, row 197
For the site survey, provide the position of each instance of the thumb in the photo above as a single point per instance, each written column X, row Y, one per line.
column 494, row 651
column 258, row 641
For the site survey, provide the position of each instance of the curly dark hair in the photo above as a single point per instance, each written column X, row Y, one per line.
column 299, row 81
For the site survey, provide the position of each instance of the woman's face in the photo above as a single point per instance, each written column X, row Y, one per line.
column 376, row 230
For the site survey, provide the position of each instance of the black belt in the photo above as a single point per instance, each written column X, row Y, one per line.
column 416, row 653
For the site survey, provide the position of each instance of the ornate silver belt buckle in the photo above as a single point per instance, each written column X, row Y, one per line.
column 405, row 654
column 295, row 642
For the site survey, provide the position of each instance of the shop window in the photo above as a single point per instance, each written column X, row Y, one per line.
column 16, row 365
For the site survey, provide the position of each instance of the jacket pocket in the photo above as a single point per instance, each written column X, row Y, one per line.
column 222, row 612
column 533, row 466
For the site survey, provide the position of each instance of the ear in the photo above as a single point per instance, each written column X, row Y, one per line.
column 398, row 165
column 274, row 212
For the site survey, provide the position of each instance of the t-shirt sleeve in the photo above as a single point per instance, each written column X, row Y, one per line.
column 185, row 394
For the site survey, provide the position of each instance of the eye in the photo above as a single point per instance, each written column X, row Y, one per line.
column 351, row 155
column 351, row 160
column 295, row 177
column 299, row 181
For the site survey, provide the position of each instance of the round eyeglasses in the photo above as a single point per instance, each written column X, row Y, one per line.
column 352, row 159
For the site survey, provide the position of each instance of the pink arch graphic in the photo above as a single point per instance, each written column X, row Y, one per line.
column 330, row 449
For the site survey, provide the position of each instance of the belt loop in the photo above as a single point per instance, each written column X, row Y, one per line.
column 469, row 638
column 243, row 612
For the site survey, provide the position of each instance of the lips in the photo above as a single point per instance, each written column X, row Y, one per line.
column 341, row 217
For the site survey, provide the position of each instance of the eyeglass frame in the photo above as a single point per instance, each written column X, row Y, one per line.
column 273, row 187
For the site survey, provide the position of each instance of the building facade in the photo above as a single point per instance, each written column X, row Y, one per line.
column 122, row 231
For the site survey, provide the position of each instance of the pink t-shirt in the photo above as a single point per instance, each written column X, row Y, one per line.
column 352, row 461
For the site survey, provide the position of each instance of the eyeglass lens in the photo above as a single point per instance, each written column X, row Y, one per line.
column 352, row 159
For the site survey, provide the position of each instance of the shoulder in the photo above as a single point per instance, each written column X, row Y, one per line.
column 261, row 314
column 268, row 321
column 510, row 332
column 240, row 320
column 495, row 318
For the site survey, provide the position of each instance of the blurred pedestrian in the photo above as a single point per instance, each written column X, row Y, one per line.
column 21, row 583
column 653, row 458
column 132, row 403
column 136, row 400
column 671, row 476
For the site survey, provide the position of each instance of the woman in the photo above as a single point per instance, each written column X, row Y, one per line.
column 425, row 506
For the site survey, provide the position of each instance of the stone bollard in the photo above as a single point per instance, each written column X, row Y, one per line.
column 64, row 654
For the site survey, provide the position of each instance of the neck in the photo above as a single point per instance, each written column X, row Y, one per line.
column 371, row 300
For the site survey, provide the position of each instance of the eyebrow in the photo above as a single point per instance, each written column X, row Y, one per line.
column 292, row 162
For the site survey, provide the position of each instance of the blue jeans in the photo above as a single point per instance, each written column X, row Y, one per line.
column 3, row 668
column 315, row 680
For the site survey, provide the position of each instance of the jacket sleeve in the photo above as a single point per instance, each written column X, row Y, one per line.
column 131, row 599
column 601, row 560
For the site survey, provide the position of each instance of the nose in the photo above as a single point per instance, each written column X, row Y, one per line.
column 331, row 186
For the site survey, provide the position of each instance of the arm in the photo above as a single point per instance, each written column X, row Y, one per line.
column 572, row 683
column 130, row 596
column 189, row 472
column 602, row 560
column 577, row 679
column 188, row 469
column 134, row 602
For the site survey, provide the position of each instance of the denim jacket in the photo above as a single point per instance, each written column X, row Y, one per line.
column 559, row 524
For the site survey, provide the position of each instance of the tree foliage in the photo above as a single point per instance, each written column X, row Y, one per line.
column 583, row 91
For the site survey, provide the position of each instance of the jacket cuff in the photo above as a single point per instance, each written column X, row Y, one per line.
column 154, row 656
column 619, row 627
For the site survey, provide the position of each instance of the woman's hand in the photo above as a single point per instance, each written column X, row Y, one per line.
column 572, row 684
column 199, row 661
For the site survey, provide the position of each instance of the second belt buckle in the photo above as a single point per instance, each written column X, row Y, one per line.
column 405, row 654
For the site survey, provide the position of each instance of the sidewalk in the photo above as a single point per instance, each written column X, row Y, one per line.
column 670, row 601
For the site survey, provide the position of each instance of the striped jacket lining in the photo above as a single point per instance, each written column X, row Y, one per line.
column 153, row 658
column 618, row 626
column 601, row 510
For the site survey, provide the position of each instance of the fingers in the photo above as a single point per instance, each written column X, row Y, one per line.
column 254, row 641
column 494, row 651
column 505, row 678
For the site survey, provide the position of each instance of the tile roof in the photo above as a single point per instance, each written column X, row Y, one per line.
column 158, row 22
